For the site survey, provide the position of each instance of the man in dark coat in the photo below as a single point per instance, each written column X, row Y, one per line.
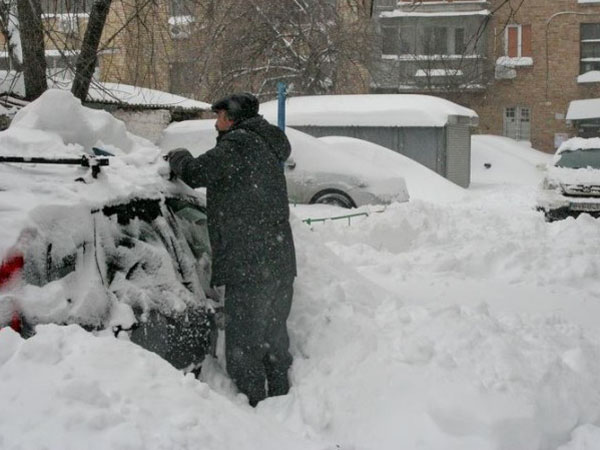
column 251, row 239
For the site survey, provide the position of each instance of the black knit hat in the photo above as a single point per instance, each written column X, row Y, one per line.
column 238, row 106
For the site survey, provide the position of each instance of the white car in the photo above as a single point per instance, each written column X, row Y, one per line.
column 315, row 172
column 572, row 183
column 422, row 182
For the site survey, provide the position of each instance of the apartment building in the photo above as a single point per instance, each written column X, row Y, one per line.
column 430, row 46
column 519, row 64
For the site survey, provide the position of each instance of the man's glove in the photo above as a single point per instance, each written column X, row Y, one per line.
column 176, row 159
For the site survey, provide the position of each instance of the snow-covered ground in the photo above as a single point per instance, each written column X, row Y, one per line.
column 462, row 325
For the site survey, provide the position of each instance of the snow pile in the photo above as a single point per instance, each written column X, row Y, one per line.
column 393, row 110
column 482, row 346
column 59, row 114
column 422, row 183
column 497, row 159
column 455, row 354
column 90, row 392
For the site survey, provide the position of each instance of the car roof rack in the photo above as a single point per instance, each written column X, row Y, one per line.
column 90, row 161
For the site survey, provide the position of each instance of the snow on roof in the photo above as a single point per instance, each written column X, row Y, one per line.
column 402, row 13
column 391, row 110
column 593, row 76
column 578, row 143
column 519, row 61
column 116, row 93
column 439, row 73
column 584, row 109
column 135, row 95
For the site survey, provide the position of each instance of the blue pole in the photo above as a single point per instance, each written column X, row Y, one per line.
column 281, row 93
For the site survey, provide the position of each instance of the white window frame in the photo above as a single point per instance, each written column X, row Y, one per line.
column 519, row 28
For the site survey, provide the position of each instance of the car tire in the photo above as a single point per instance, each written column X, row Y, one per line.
column 332, row 197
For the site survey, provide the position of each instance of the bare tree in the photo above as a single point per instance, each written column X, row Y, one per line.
column 32, row 39
column 253, row 44
column 86, row 62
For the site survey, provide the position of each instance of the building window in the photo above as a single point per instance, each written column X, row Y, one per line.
column 389, row 40
column 182, row 8
column 590, row 47
column 435, row 40
column 460, row 46
column 66, row 6
column 517, row 123
column 184, row 78
column 406, row 45
column 518, row 41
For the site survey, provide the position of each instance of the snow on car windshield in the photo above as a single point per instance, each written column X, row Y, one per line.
column 580, row 159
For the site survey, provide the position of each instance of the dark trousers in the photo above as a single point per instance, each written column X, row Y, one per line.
column 256, row 337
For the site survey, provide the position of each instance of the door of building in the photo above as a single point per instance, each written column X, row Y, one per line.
column 517, row 123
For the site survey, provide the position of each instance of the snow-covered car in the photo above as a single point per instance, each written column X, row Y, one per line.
column 422, row 182
column 315, row 172
column 572, row 183
column 124, row 251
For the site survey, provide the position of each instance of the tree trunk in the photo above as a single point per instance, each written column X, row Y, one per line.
column 32, row 39
column 86, row 63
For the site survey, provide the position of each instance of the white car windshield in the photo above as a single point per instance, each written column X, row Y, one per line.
column 580, row 159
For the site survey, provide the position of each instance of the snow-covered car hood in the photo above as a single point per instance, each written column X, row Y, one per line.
column 564, row 176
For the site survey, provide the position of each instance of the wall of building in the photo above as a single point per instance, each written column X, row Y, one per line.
column 147, row 124
column 548, row 85
column 412, row 64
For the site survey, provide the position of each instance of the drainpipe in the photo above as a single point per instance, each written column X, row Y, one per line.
column 281, row 94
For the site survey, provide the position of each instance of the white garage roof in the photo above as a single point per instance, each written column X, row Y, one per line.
column 584, row 109
column 376, row 110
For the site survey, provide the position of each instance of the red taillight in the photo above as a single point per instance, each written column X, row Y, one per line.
column 10, row 268
column 16, row 323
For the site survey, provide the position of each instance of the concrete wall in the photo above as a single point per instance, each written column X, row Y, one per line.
column 458, row 154
column 147, row 124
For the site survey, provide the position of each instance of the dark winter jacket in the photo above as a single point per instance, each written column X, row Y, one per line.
column 247, row 205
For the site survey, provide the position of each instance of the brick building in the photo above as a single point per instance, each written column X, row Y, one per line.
column 527, row 64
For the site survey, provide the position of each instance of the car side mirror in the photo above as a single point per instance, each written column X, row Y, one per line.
column 290, row 164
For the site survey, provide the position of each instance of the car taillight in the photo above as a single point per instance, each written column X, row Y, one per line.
column 10, row 268
column 16, row 323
